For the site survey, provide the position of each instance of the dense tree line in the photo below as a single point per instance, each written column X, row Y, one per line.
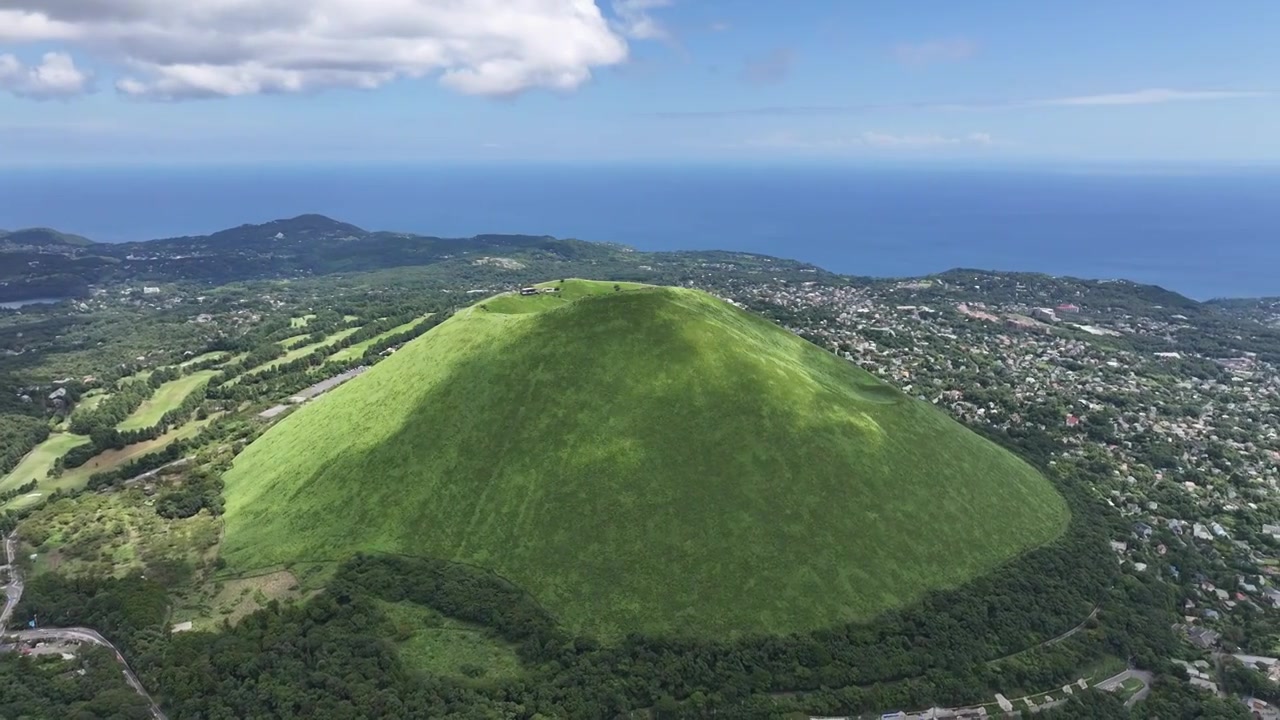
column 325, row 657
column 22, row 489
column 1246, row 681
column 19, row 434
column 260, row 355
column 1171, row 698
column 931, row 653
column 121, row 403
column 124, row 610
column 146, row 463
column 48, row 687
column 199, row 490
column 110, row 438
column 287, row 378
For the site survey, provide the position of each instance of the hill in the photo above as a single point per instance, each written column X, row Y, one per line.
column 641, row 459
column 41, row 237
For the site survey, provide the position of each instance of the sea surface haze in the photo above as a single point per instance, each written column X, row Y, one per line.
column 1204, row 234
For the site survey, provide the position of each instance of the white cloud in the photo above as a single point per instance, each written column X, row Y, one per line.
column 55, row 77
column 636, row 21
column 1151, row 96
column 210, row 48
column 935, row 51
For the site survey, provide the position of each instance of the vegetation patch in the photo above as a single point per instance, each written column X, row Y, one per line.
column 235, row 599
column 641, row 459
column 113, row 535
column 430, row 642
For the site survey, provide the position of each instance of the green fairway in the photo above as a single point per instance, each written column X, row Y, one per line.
column 91, row 400
column 167, row 397
column 641, row 459
column 300, row 322
column 293, row 342
column 301, row 351
column 38, row 462
column 76, row 478
column 357, row 350
column 305, row 350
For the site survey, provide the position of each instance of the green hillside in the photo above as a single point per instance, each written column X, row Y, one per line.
column 641, row 459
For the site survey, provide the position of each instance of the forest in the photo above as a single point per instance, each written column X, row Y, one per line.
column 916, row 657
column 18, row 434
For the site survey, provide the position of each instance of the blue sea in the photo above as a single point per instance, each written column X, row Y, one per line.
column 1204, row 234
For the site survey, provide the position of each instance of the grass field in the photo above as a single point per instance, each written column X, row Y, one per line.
column 428, row 641
column 215, row 355
column 300, row 351
column 645, row 460
column 38, row 462
column 357, row 350
column 166, row 397
column 301, row 321
column 293, row 342
column 92, row 399
column 305, row 350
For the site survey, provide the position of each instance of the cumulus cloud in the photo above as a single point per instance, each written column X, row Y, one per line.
column 935, row 51
column 209, row 48
column 55, row 77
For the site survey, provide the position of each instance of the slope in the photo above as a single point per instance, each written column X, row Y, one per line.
column 644, row 459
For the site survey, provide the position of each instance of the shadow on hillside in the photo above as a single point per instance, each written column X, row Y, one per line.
column 630, row 475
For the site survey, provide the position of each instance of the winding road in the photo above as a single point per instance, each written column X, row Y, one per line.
column 13, row 593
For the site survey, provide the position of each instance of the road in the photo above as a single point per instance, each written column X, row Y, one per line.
column 1112, row 684
column 13, row 593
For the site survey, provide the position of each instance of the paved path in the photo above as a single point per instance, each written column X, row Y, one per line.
column 1113, row 683
column 13, row 593
column 13, row 590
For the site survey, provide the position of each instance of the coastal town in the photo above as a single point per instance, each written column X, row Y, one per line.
column 1191, row 440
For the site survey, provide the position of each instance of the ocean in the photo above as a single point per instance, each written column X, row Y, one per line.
column 1211, row 234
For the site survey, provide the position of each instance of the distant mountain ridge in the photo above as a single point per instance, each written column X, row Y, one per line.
column 41, row 237
column 42, row 262
column 309, row 226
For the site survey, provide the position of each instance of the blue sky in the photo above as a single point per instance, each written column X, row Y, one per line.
column 980, row 81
